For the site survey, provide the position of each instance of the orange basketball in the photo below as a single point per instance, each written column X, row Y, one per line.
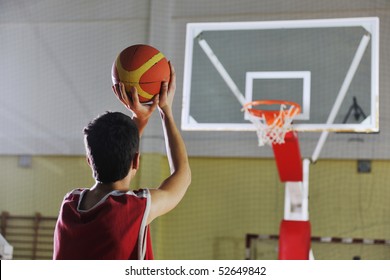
column 143, row 67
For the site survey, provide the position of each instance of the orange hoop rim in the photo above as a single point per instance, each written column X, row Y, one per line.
column 268, row 113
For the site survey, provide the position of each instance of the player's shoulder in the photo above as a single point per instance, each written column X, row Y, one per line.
column 140, row 193
column 74, row 193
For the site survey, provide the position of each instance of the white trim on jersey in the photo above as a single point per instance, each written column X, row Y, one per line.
column 142, row 238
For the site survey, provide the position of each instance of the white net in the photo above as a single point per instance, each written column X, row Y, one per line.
column 273, row 128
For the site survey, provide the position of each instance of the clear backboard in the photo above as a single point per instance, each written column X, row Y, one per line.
column 328, row 66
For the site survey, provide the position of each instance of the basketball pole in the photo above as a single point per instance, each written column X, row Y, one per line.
column 343, row 91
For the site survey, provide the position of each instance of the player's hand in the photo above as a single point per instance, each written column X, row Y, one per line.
column 167, row 91
column 142, row 112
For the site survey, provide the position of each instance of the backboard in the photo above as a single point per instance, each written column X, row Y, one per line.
column 328, row 66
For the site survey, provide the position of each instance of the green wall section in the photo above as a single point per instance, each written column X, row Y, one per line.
column 228, row 198
column 41, row 187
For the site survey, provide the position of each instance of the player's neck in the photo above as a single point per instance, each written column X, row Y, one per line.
column 120, row 185
column 109, row 187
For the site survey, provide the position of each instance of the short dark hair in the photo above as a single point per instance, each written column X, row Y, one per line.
column 111, row 143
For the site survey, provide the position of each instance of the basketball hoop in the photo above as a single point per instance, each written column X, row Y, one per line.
column 272, row 125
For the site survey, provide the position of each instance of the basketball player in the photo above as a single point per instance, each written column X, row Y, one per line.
column 108, row 221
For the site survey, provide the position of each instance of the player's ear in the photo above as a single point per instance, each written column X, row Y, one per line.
column 135, row 162
column 88, row 160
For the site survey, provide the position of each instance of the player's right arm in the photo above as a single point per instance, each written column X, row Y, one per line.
column 141, row 112
column 172, row 189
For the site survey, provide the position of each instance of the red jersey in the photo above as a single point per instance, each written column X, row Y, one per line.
column 114, row 229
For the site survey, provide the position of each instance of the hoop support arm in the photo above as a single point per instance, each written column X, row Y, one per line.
column 343, row 91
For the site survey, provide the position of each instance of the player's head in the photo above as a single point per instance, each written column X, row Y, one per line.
column 111, row 142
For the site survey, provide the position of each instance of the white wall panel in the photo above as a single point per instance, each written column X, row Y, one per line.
column 56, row 69
column 56, row 56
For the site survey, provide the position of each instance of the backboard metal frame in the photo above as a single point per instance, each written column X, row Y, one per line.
column 371, row 37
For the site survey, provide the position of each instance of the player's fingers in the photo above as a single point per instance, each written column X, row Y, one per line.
column 163, row 94
column 115, row 89
column 155, row 102
column 134, row 96
column 123, row 94
column 172, row 81
column 164, row 89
